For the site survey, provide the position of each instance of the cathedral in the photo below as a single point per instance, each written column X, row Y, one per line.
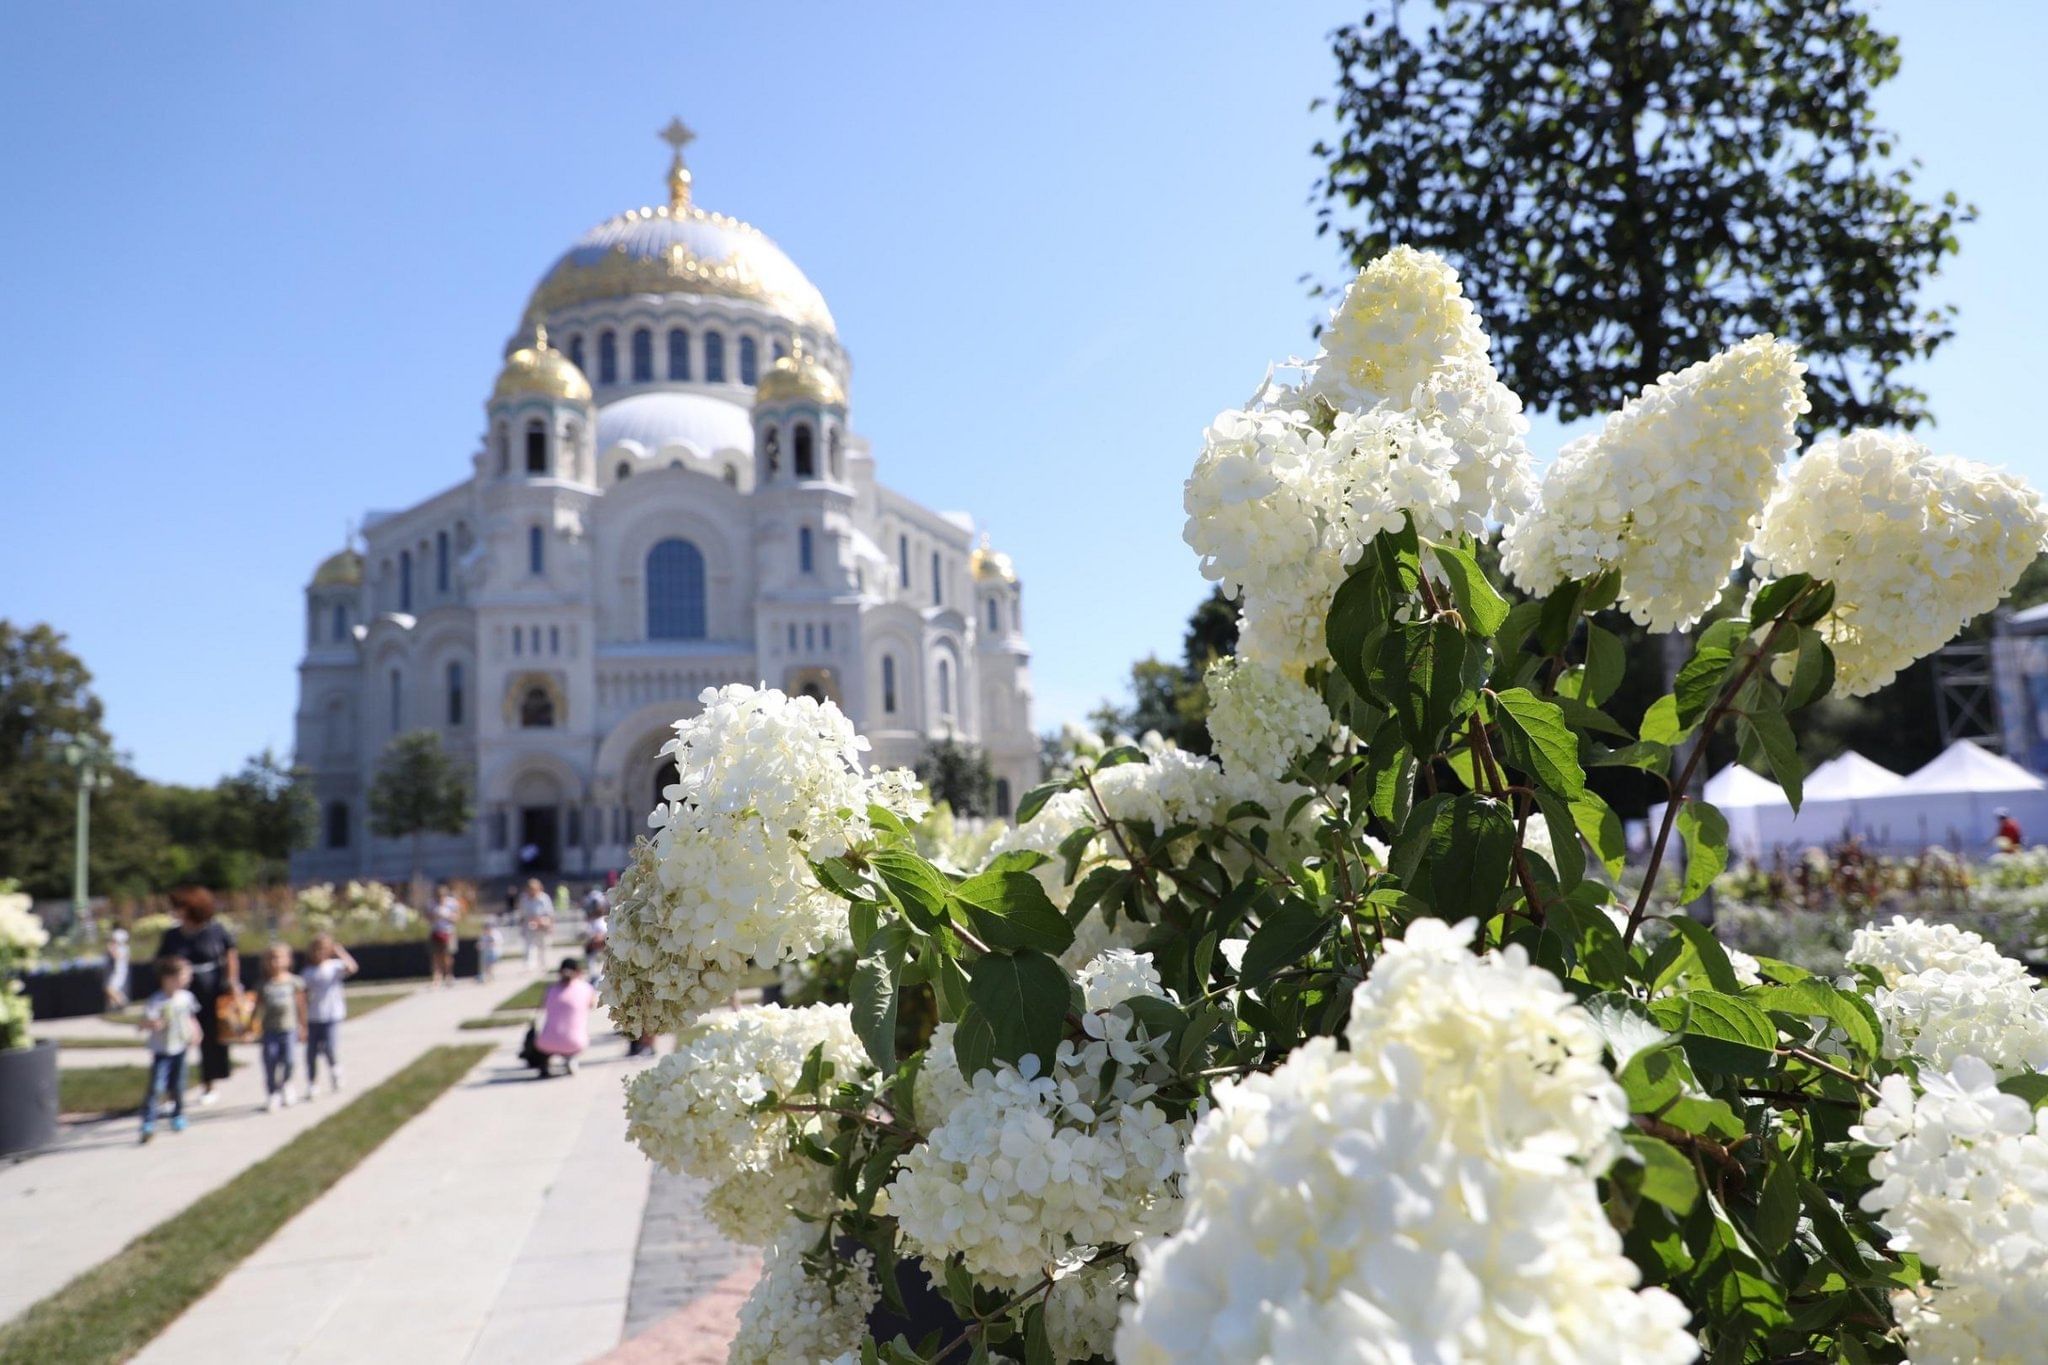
column 668, row 495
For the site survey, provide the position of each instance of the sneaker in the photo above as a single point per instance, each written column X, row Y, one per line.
column 273, row 1104
column 311, row 1094
column 206, row 1097
column 177, row 1123
column 568, row 1066
column 148, row 1132
column 286, row 1097
column 335, row 1077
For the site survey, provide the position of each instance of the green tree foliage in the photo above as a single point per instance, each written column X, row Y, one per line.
column 418, row 790
column 267, row 808
column 1169, row 698
column 1628, row 186
column 959, row 775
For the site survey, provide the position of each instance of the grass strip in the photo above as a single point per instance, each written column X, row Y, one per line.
column 111, row 1311
column 496, row 1021
column 101, row 1089
column 75, row 1044
column 528, row 997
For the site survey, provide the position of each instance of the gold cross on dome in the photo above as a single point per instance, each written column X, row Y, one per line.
column 677, row 135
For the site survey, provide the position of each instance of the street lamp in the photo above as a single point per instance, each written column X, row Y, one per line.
column 93, row 761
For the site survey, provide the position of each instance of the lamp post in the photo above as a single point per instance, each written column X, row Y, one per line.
column 92, row 759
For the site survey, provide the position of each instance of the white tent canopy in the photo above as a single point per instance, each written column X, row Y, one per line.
column 1850, row 776
column 1964, row 766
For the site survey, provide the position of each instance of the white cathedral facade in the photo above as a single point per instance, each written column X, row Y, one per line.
column 668, row 496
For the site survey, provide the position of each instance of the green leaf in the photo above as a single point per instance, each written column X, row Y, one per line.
column 918, row 888
column 1606, row 664
column 1703, row 957
column 1773, row 597
column 1813, row 671
column 1668, row 1178
column 1034, row 800
column 1016, row 1007
column 1781, row 750
column 2030, row 1086
column 875, row 997
column 1419, row 672
column 1286, row 936
column 1813, row 997
column 1009, row 909
column 1390, row 773
column 1485, row 610
column 1602, row 829
column 1540, row 743
column 1660, row 723
column 1705, row 832
column 1404, row 858
column 1699, row 683
column 1358, row 616
column 1722, row 1033
column 1567, row 853
column 1777, row 1205
column 1471, row 853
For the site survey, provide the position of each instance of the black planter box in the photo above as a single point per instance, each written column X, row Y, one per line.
column 28, row 1097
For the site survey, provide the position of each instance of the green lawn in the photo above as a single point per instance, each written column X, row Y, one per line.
column 130, row 1043
column 100, row 1089
column 497, row 1021
column 112, row 1310
column 528, row 997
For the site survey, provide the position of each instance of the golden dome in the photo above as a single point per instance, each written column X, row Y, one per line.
column 987, row 564
column 539, row 368
column 798, row 375
column 343, row 570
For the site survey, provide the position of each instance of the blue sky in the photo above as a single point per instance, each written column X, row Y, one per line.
column 262, row 260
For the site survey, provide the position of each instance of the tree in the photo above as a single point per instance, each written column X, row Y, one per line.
column 1169, row 698
column 418, row 790
column 1628, row 186
column 959, row 775
column 268, row 809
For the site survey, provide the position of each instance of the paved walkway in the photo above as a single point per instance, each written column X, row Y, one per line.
column 80, row 1201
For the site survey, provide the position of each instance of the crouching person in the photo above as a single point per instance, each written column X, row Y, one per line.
column 564, row 1020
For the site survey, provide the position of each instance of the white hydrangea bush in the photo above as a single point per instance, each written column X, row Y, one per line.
column 1349, row 1043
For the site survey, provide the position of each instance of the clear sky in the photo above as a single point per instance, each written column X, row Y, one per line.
column 262, row 261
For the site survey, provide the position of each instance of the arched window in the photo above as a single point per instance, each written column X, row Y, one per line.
column 938, row 583
column 992, row 627
column 812, row 690
column 554, row 639
column 455, row 693
column 678, row 353
column 397, row 700
column 945, row 687
column 806, row 452
column 340, row 622
column 888, row 684
column 337, row 824
column 750, row 368
column 806, row 559
column 903, row 559
column 780, row 350
column 536, row 550
column 675, row 591
column 440, row 561
column 576, row 350
column 714, row 357
column 405, row 580
column 732, row 476
column 771, row 451
column 536, row 447
column 502, row 443
column 1003, row 797
column 536, row 710
column 643, row 356
column 625, row 470
column 518, row 640
column 607, row 357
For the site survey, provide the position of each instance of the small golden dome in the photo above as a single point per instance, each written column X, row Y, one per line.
column 798, row 375
column 988, row 564
column 538, row 368
column 343, row 570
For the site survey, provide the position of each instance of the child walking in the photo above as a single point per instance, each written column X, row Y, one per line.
column 283, row 1005
column 328, row 964
column 170, row 1019
column 487, row 944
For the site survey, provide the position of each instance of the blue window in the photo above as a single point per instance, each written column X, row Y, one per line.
column 607, row 357
column 889, row 684
column 536, row 447
column 678, row 353
column 405, row 580
column 441, row 561
column 804, row 555
column 938, row 584
column 518, row 640
column 714, row 357
column 675, row 591
column 397, row 699
column 337, row 824
column 903, row 558
column 576, row 350
column 1003, row 797
column 455, row 693
column 340, row 622
column 750, row 367
column 806, row 452
column 536, row 552
column 643, row 356
column 992, row 616
column 945, row 688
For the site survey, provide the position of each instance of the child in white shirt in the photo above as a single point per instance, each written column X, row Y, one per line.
column 327, row 966
column 170, row 1019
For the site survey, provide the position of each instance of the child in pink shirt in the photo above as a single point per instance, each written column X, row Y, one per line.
column 565, row 1019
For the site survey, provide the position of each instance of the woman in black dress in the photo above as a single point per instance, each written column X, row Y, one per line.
column 216, row 969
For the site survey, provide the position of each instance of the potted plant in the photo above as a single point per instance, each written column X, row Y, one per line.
column 28, row 1069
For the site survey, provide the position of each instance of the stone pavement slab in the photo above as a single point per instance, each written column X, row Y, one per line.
column 74, row 1204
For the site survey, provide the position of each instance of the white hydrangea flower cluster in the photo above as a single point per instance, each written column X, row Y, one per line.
column 1915, row 543
column 21, row 929
column 765, row 782
column 1261, row 718
column 1402, row 318
column 898, row 790
column 1963, row 1182
column 1117, row 975
column 1671, row 489
column 1081, row 1311
column 1428, row 1195
column 1949, row 994
column 792, row 1315
column 1025, row 1169
column 693, row 1112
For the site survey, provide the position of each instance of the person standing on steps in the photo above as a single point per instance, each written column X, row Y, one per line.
column 204, row 943
column 537, row 919
column 170, row 1020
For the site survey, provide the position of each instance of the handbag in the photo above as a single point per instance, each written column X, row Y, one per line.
column 236, row 1015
